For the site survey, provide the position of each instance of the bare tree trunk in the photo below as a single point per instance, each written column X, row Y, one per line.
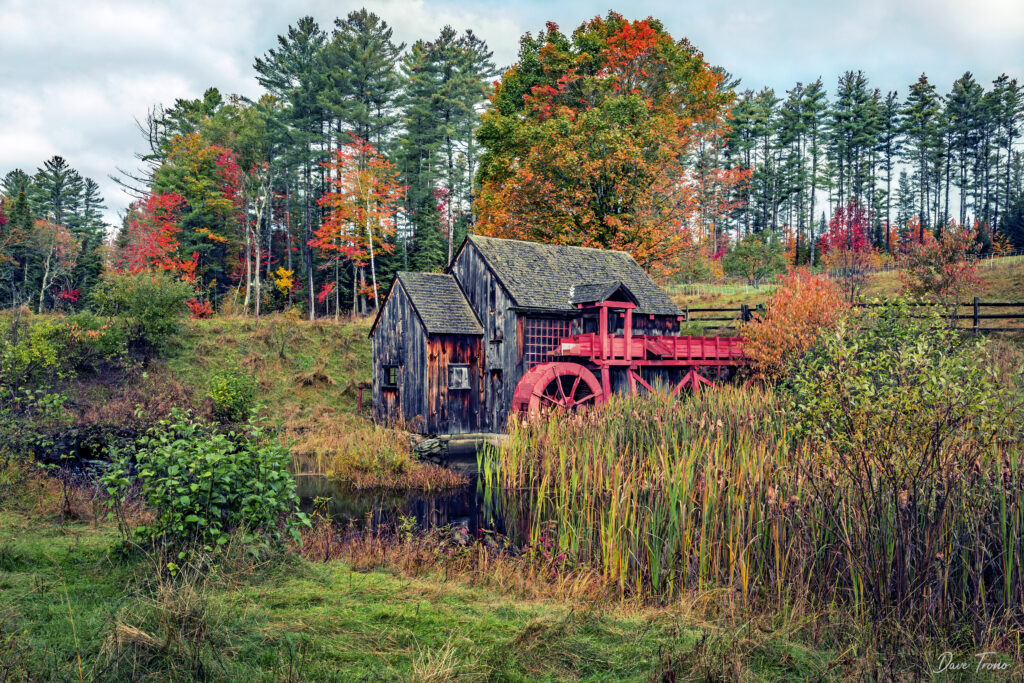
column 248, row 258
column 307, row 251
column 46, row 276
column 373, row 261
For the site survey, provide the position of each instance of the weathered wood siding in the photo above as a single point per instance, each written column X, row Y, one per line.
column 399, row 339
column 658, row 325
column 502, row 348
column 454, row 411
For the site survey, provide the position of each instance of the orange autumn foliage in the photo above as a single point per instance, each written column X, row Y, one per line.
column 797, row 312
column 592, row 140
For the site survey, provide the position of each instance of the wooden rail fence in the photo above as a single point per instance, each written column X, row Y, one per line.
column 981, row 315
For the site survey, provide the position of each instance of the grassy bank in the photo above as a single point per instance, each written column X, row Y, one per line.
column 309, row 376
column 74, row 610
column 304, row 378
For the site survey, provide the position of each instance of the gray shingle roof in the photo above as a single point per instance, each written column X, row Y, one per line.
column 597, row 291
column 440, row 303
column 542, row 275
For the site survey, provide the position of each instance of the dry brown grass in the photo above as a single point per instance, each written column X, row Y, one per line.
column 359, row 454
column 526, row 574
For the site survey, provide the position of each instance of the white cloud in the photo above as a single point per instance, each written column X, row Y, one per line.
column 75, row 75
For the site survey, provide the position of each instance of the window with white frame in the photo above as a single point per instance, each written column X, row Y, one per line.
column 458, row 376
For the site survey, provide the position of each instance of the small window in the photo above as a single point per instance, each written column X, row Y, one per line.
column 458, row 377
column 390, row 376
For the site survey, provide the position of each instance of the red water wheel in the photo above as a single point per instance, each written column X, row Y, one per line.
column 559, row 386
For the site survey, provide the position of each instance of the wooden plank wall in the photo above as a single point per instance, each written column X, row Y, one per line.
column 399, row 339
column 454, row 411
column 502, row 365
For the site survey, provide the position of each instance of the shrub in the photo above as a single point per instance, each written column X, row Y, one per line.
column 203, row 484
column 233, row 395
column 899, row 386
column 942, row 270
column 45, row 349
column 912, row 430
column 756, row 257
column 150, row 306
column 199, row 310
column 796, row 313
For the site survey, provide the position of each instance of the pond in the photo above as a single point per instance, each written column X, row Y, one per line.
column 471, row 510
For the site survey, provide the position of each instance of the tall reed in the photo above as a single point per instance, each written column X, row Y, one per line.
column 714, row 491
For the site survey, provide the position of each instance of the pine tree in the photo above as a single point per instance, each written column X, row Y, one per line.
column 56, row 191
column 905, row 203
column 921, row 113
column 293, row 73
column 890, row 145
column 91, row 231
column 419, row 158
column 1011, row 121
column 361, row 78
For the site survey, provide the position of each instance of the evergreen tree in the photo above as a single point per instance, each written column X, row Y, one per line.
column 921, row 113
column 91, row 231
column 292, row 73
column 905, row 203
column 56, row 191
column 419, row 158
column 890, row 145
column 361, row 78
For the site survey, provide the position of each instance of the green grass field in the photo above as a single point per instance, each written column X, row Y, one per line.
column 72, row 610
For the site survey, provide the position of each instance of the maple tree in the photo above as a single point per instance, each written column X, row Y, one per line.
column 365, row 196
column 6, row 233
column 846, row 247
column 590, row 141
column 151, row 238
column 942, row 269
column 209, row 214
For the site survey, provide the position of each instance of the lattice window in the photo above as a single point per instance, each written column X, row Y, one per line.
column 541, row 336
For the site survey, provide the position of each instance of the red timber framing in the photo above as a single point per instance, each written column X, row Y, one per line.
column 540, row 335
column 629, row 352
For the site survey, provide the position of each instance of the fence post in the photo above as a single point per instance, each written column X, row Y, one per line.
column 687, row 312
column 745, row 312
column 977, row 318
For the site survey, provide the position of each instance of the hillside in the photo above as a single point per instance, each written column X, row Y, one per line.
column 303, row 369
column 1002, row 279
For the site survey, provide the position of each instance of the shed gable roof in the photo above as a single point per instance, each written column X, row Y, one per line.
column 543, row 276
column 593, row 292
column 440, row 303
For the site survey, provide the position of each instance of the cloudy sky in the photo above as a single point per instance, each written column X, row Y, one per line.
column 75, row 75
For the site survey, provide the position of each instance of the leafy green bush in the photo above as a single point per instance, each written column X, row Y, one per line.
column 150, row 306
column 898, row 385
column 203, row 484
column 756, row 257
column 233, row 394
column 912, row 442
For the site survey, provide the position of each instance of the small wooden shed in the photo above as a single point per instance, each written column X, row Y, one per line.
column 449, row 349
column 427, row 369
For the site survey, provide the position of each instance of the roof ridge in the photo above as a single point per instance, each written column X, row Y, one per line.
column 603, row 250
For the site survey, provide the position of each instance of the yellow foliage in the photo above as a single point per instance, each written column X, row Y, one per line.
column 212, row 236
column 284, row 279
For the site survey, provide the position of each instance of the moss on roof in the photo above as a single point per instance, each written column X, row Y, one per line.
column 542, row 276
column 440, row 303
